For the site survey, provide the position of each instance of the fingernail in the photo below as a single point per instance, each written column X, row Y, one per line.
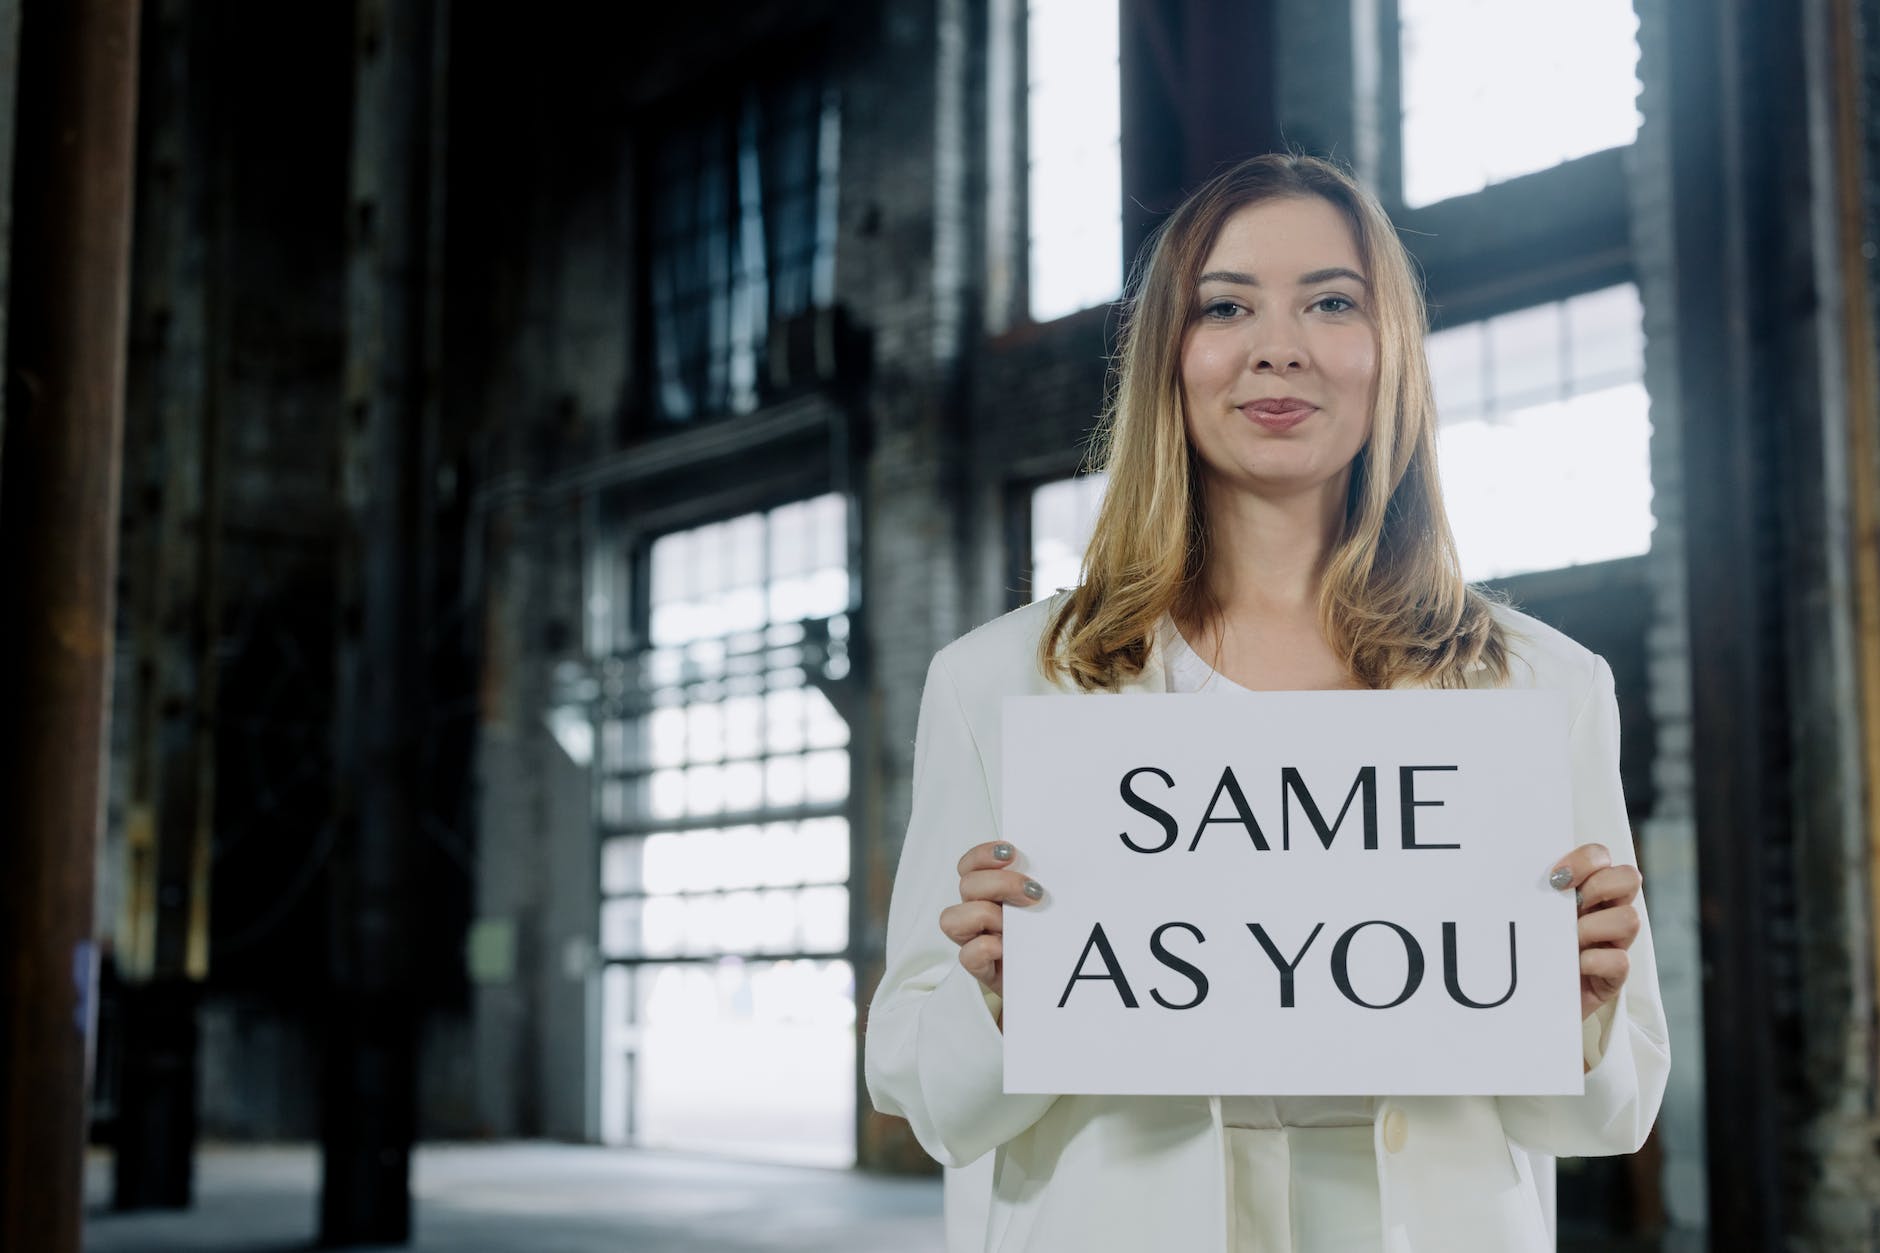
column 1561, row 877
column 1579, row 898
column 1034, row 889
column 1002, row 852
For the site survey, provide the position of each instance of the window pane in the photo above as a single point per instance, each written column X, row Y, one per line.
column 743, row 234
column 1074, row 141
column 1497, row 88
column 753, row 1058
column 1546, row 459
column 1063, row 514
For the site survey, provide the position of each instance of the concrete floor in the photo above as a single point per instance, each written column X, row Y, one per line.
column 538, row 1198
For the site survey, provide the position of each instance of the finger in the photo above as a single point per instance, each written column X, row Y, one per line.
column 1609, row 888
column 1605, row 963
column 989, row 856
column 1616, row 927
column 1573, row 869
column 1008, row 886
column 981, row 958
column 968, row 919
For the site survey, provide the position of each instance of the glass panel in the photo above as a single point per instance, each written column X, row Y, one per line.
column 743, row 233
column 743, row 783
column 754, row 1058
column 1063, row 514
column 1524, row 354
column 824, row 918
column 667, row 793
column 620, row 865
column 1552, row 466
column 1075, row 180
column 1459, row 372
column 825, row 727
column 783, row 781
column 823, row 851
column 784, row 718
column 826, row 776
column 620, row 927
column 1497, row 88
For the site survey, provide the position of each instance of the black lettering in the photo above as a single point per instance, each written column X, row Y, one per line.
column 1407, row 789
column 1291, row 785
column 1286, row 968
column 1101, row 943
column 1452, row 981
column 1142, row 806
column 1177, row 964
column 1242, row 814
column 1341, row 968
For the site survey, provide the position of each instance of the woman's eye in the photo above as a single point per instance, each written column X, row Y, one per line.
column 1345, row 306
column 1220, row 310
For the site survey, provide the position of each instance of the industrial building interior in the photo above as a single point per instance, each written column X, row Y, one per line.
column 481, row 486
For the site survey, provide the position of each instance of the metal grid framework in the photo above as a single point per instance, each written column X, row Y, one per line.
column 721, row 792
column 741, row 233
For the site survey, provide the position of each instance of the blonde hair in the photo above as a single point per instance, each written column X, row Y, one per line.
column 1392, row 604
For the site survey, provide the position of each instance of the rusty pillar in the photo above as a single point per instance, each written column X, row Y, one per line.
column 59, row 466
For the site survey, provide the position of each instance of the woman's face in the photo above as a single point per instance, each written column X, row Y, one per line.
column 1279, row 360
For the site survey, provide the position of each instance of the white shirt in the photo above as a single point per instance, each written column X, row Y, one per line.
column 1302, row 1175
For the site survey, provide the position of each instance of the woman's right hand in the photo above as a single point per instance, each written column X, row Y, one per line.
column 977, row 923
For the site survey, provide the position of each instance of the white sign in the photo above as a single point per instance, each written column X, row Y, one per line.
column 1291, row 893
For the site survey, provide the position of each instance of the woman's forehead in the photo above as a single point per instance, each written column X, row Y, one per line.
column 1278, row 242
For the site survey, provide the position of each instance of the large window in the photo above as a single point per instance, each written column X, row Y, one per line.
column 728, row 998
column 1497, row 88
column 1545, row 434
column 742, row 218
column 1074, row 138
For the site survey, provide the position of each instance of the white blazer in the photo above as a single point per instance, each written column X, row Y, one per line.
column 1092, row 1174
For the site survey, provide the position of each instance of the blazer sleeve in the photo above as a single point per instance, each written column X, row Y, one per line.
column 1624, row 1041
column 933, row 1053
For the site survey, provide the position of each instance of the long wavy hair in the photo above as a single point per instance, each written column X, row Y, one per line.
column 1392, row 604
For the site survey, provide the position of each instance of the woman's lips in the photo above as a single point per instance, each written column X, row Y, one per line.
column 1271, row 417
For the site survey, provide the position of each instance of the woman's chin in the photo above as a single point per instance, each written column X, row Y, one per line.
column 1280, row 477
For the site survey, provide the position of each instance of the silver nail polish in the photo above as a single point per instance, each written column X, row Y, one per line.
column 1579, row 899
column 1002, row 852
column 1561, row 877
column 1034, row 889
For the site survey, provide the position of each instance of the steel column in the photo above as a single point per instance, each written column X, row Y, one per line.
column 371, row 1060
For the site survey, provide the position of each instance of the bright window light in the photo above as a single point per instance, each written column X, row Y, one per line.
column 1545, row 435
column 1063, row 514
column 1497, row 88
column 728, row 1001
column 1075, row 145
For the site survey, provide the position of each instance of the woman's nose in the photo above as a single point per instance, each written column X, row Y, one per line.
column 1277, row 349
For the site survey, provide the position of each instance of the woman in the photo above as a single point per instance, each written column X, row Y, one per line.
column 1272, row 521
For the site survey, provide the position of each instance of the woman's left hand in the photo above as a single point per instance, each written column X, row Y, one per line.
column 1609, row 921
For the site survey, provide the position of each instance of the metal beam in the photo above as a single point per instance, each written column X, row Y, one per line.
column 172, row 458
column 371, row 1051
column 1749, row 396
column 58, row 563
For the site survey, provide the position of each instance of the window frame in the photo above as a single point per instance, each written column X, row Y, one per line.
column 808, row 55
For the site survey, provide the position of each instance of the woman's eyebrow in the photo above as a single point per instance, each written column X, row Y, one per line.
column 1305, row 280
